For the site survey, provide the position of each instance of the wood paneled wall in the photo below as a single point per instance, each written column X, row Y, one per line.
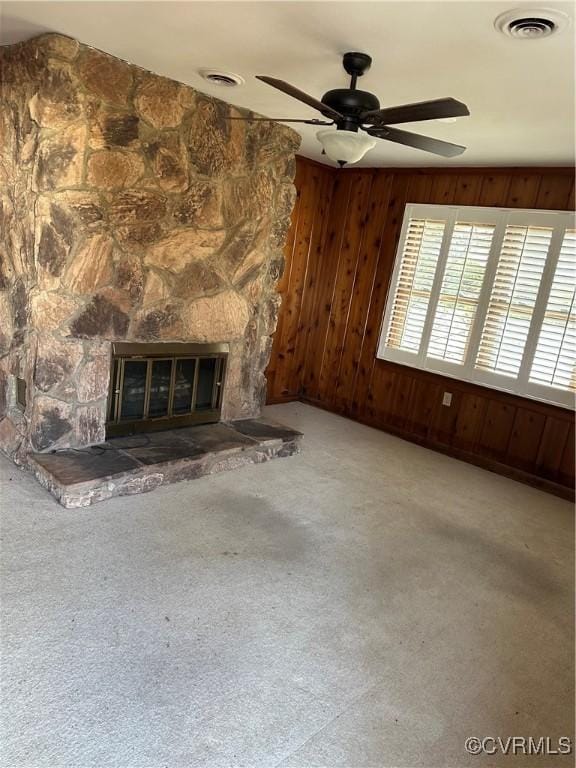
column 339, row 260
column 304, row 249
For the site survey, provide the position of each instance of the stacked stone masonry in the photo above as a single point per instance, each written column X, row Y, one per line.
column 133, row 209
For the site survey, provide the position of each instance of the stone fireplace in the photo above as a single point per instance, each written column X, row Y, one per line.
column 132, row 212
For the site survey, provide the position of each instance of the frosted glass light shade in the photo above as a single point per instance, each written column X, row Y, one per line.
column 345, row 146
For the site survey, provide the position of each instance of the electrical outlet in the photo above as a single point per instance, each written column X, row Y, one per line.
column 447, row 399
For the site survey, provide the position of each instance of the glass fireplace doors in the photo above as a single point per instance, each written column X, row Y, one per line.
column 162, row 386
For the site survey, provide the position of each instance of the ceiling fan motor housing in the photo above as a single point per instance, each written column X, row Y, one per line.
column 351, row 103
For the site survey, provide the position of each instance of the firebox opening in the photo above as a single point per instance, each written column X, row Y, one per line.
column 164, row 386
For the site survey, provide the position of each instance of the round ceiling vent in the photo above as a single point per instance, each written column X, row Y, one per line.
column 227, row 79
column 531, row 24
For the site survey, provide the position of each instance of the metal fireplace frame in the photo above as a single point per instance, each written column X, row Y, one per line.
column 123, row 351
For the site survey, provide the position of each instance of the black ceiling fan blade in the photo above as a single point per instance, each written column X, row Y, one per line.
column 411, row 113
column 282, row 120
column 290, row 90
column 427, row 143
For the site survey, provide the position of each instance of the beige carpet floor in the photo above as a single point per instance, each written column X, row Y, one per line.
column 366, row 603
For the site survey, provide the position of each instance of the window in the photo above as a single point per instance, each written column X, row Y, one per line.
column 486, row 295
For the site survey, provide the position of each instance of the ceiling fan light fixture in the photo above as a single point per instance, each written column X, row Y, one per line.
column 345, row 146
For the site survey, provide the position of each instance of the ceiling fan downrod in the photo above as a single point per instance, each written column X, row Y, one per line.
column 356, row 64
column 352, row 102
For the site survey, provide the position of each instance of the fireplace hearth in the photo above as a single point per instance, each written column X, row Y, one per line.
column 123, row 466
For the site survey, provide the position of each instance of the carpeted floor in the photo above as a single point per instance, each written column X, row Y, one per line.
column 366, row 603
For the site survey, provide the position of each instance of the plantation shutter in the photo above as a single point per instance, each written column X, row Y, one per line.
column 486, row 295
column 418, row 263
column 514, row 292
column 554, row 358
column 461, row 285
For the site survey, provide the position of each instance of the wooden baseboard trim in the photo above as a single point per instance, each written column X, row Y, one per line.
column 278, row 400
column 543, row 484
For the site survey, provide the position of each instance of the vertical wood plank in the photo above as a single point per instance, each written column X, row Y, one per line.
column 525, row 439
column 390, row 236
column 349, row 253
column 425, row 395
column 523, row 191
column 363, row 282
column 398, row 416
column 468, row 188
column 381, row 396
column 555, row 193
column 326, row 271
column 470, row 422
column 419, row 188
column 571, row 205
column 444, row 188
column 296, row 272
column 494, row 190
column 275, row 386
column 497, row 429
column 444, row 417
column 312, row 279
column 566, row 470
column 551, row 449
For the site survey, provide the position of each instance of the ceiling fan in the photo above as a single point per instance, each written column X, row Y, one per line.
column 353, row 110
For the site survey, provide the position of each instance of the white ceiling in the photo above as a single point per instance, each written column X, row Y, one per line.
column 520, row 93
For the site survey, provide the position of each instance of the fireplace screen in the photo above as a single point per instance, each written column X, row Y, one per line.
column 161, row 386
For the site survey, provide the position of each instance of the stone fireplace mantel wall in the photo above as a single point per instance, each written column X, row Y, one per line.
column 131, row 209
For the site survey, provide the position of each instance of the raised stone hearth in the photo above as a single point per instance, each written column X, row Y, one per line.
column 128, row 465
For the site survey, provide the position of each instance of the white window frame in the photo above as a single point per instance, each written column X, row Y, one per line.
column 500, row 217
